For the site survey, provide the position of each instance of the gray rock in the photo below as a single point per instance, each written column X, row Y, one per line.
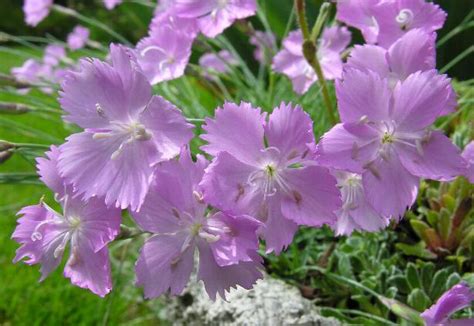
column 271, row 302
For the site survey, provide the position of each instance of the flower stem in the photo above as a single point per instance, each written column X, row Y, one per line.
column 310, row 51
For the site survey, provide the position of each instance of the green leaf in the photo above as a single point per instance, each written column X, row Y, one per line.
column 399, row 282
column 412, row 276
column 417, row 250
column 453, row 279
column 419, row 300
column 432, row 217
column 444, row 224
column 427, row 275
column 420, row 228
column 438, row 285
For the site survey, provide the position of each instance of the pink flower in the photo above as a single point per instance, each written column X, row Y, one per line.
column 36, row 10
column 214, row 16
column 291, row 62
column 53, row 54
column 218, row 63
column 468, row 155
column 265, row 44
column 396, row 17
column 458, row 297
column 78, row 38
column 414, row 51
column 122, row 122
column 356, row 212
column 111, row 4
column 86, row 226
column 261, row 168
column 164, row 54
column 177, row 217
column 385, row 136
column 360, row 14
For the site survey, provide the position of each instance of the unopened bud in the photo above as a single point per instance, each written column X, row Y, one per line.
column 5, row 155
column 5, row 145
column 13, row 108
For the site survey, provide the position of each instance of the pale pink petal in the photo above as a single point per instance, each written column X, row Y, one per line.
column 362, row 94
column 289, row 129
column 162, row 265
column 468, row 155
column 236, row 129
column 436, row 158
column 370, row 57
column 48, row 171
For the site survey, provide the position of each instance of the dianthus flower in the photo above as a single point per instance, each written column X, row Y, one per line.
column 127, row 130
column 468, row 155
column 36, row 10
column 385, row 136
column 53, row 54
column 214, row 16
column 78, row 38
column 217, row 62
column 291, row 61
column 261, row 168
column 265, row 44
column 86, row 226
column 359, row 14
column 176, row 215
column 414, row 51
column 111, row 4
column 458, row 297
column 356, row 212
column 397, row 17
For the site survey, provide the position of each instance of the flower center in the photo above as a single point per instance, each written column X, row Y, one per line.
column 387, row 138
column 404, row 18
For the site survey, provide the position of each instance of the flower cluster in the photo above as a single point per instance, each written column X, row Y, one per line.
column 267, row 175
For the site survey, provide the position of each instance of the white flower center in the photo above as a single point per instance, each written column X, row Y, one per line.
column 404, row 18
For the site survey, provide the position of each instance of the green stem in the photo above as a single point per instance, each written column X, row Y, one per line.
column 381, row 320
column 322, row 16
column 310, row 54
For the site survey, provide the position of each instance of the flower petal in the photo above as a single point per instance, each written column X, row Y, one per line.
column 163, row 266
column 313, row 198
column 369, row 57
column 218, row 280
column 48, row 171
column 289, row 129
column 236, row 129
column 362, row 94
column 439, row 159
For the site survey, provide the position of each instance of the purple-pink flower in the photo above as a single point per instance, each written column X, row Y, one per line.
column 164, row 54
column 111, row 4
column 356, row 212
column 262, row 168
column 385, row 135
column 214, row 16
column 291, row 62
column 396, row 17
column 36, row 10
column 78, row 38
column 218, row 62
column 265, row 44
column 85, row 226
column 458, row 297
column 468, row 155
column 360, row 14
column 175, row 213
column 53, row 54
column 127, row 130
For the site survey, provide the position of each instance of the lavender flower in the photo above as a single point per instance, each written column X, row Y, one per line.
column 291, row 62
column 356, row 212
column 176, row 215
column 360, row 14
column 214, row 16
column 414, row 51
column 122, row 122
column 265, row 44
column 111, row 4
column 87, row 226
column 28, row 72
column 262, row 169
column 217, row 63
column 164, row 54
column 78, row 38
column 458, row 297
column 468, row 155
column 385, row 136
column 36, row 10
column 53, row 54
column 397, row 17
